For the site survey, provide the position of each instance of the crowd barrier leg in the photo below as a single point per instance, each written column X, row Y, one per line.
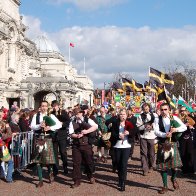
column 21, row 149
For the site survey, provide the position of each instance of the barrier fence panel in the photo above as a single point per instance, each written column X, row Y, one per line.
column 22, row 149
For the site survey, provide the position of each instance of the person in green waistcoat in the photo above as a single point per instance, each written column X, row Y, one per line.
column 103, row 138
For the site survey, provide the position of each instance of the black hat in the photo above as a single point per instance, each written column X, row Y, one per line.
column 54, row 102
column 78, row 110
column 84, row 107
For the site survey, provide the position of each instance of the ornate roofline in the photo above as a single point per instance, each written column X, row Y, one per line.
column 17, row 2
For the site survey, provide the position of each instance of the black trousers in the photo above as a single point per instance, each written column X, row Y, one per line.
column 113, row 157
column 60, row 146
column 186, row 153
column 122, row 156
column 82, row 154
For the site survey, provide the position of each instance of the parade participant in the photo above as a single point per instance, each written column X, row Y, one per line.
column 194, row 138
column 60, row 138
column 145, row 123
column 176, row 112
column 186, row 143
column 82, row 132
column 168, row 156
column 102, row 130
column 44, row 153
column 131, row 118
column 121, row 131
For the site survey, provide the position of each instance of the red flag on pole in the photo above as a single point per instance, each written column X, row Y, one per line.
column 71, row 44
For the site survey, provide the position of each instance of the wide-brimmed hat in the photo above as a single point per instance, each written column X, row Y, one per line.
column 78, row 110
column 84, row 107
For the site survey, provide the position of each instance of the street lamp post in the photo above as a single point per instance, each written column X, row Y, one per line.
column 104, row 84
column 104, row 88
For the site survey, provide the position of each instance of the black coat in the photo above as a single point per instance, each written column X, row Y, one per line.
column 61, row 134
column 115, row 129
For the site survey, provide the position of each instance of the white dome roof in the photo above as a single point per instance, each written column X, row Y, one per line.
column 45, row 45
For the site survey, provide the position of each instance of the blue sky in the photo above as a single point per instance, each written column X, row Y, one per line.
column 117, row 35
column 131, row 13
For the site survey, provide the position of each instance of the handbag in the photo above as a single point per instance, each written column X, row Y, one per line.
column 106, row 136
column 106, row 139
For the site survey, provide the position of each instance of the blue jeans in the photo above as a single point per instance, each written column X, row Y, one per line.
column 9, row 171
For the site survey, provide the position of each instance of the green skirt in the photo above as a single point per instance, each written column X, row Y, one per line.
column 173, row 162
column 44, row 154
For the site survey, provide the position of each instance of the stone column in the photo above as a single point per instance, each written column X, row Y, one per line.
column 30, row 100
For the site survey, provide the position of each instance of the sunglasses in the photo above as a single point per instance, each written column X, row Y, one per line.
column 164, row 109
column 182, row 110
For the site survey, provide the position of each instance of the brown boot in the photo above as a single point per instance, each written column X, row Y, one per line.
column 163, row 190
column 98, row 159
column 104, row 159
column 51, row 177
column 76, row 184
column 92, row 180
column 145, row 173
column 175, row 184
column 40, row 184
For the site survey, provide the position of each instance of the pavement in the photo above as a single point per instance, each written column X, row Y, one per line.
column 106, row 183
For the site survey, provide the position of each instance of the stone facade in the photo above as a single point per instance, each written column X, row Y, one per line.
column 34, row 70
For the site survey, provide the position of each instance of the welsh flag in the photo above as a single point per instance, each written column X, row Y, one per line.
column 182, row 102
column 175, row 100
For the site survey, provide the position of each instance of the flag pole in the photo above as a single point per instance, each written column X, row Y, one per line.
column 84, row 66
column 69, row 53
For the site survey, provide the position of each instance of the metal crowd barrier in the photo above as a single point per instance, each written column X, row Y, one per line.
column 21, row 149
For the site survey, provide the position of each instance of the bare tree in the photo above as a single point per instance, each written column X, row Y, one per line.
column 118, row 76
column 184, row 79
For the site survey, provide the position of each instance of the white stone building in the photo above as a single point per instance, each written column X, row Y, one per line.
column 31, row 71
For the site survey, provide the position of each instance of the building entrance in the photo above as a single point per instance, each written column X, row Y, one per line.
column 44, row 96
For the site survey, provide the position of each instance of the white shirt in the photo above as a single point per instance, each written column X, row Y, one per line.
column 35, row 126
column 166, row 124
column 122, row 143
column 90, row 122
column 148, row 134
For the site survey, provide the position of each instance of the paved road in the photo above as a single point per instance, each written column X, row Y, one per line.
column 106, row 183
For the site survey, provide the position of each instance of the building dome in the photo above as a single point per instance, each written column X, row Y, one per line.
column 45, row 45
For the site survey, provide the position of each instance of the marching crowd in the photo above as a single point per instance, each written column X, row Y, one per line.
column 167, row 140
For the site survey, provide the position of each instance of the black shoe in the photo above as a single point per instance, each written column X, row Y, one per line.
column 66, row 171
column 122, row 187
column 55, row 173
column 119, row 183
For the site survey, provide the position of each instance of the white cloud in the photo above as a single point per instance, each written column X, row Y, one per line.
column 34, row 26
column 110, row 50
column 89, row 4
